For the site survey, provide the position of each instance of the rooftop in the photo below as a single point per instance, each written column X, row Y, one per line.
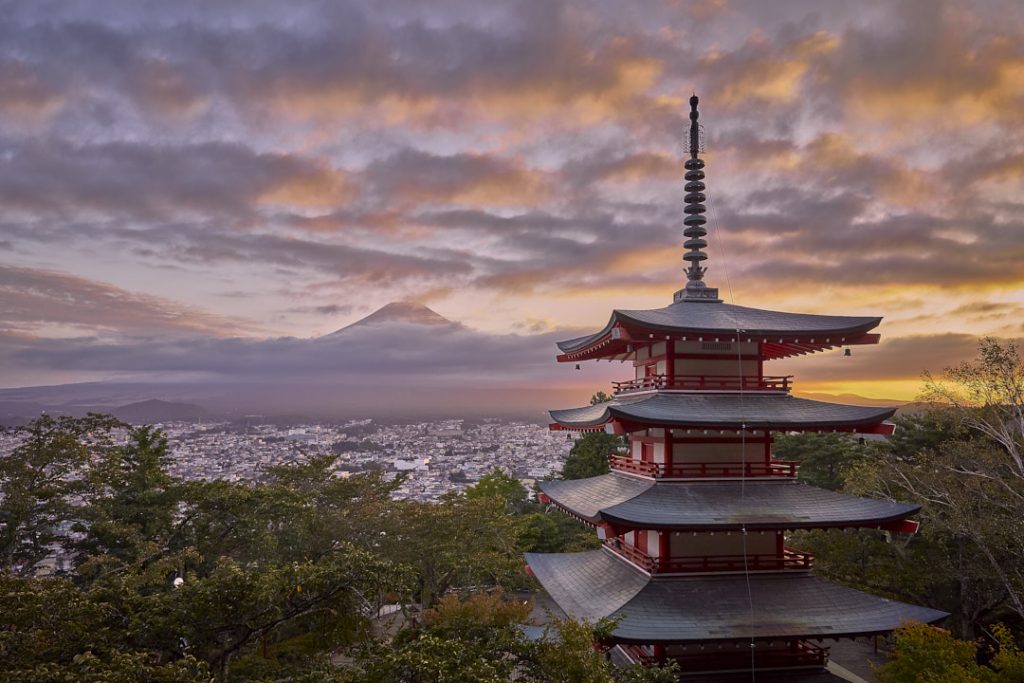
column 782, row 334
column 596, row 584
column 776, row 411
column 782, row 504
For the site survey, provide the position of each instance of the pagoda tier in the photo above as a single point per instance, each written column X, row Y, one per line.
column 777, row 334
column 653, row 610
column 734, row 410
column 624, row 502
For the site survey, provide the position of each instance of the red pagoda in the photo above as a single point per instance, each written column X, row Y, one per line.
column 695, row 566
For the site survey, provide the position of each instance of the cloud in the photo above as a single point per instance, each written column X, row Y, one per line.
column 332, row 309
column 521, row 157
column 31, row 299
column 413, row 178
column 55, row 178
column 900, row 358
column 945, row 64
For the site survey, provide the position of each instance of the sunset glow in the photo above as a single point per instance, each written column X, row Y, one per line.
column 181, row 173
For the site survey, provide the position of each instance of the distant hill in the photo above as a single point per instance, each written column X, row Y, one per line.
column 154, row 410
column 853, row 399
column 14, row 413
column 404, row 312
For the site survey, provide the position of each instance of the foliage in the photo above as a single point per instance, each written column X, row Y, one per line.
column 925, row 654
column 966, row 476
column 457, row 543
column 600, row 397
column 589, row 455
column 976, row 486
column 55, row 631
column 501, row 485
column 824, row 459
column 478, row 640
column 39, row 480
column 550, row 531
column 132, row 503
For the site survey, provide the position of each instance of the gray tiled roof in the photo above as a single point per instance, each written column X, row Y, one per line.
column 774, row 411
column 782, row 504
column 595, row 584
column 702, row 316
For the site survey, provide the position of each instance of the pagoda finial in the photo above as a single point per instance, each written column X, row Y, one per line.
column 694, row 231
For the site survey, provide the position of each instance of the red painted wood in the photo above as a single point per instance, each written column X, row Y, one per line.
column 705, row 470
column 786, row 559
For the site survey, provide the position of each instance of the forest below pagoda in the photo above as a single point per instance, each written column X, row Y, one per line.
column 285, row 579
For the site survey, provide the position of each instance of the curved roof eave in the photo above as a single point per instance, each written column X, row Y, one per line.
column 596, row 584
column 726, row 318
column 724, row 410
column 718, row 505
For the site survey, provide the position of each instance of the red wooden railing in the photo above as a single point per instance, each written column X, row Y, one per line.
column 703, row 382
column 790, row 560
column 800, row 653
column 704, row 470
column 633, row 554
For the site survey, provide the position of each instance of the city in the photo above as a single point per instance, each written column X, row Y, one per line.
column 434, row 458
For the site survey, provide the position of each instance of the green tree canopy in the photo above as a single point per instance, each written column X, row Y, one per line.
column 589, row 455
column 502, row 486
column 925, row 654
column 824, row 459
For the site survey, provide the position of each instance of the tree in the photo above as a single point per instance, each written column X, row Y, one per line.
column 132, row 502
column 589, row 455
column 481, row 640
column 925, row 654
column 39, row 480
column 56, row 631
column 824, row 458
column 600, row 397
column 501, row 485
column 972, row 485
column 459, row 543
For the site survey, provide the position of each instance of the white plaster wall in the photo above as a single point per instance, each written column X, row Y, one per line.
column 717, row 452
column 685, row 544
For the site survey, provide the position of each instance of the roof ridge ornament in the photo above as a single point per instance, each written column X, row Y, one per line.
column 694, row 221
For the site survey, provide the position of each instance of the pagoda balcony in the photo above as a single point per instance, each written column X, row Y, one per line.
column 791, row 560
column 704, row 470
column 702, row 383
column 727, row 657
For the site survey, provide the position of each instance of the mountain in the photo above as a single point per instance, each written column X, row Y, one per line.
column 155, row 410
column 401, row 312
column 403, row 360
column 852, row 399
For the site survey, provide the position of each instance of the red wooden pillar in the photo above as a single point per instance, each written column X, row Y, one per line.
column 760, row 365
column 669, row 447
column 659, row 652
column 664, row 547
column 670, row 364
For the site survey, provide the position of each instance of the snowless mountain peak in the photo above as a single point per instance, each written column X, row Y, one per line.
column 403, row 312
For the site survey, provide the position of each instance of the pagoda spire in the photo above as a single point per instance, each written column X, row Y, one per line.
column 694, row 231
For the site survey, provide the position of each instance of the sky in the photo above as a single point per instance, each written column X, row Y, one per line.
column 182, row 180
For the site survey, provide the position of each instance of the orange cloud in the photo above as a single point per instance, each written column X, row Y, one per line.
column 764, row 75
column 318, row 187
column 164, row 90
column 25, row 97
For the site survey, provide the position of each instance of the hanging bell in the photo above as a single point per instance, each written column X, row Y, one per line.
column 847, row 352
column 578, row 365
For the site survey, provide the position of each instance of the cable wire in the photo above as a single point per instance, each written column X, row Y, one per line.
column 743, row 429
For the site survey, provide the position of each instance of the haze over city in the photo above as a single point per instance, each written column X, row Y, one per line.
column 200, row 194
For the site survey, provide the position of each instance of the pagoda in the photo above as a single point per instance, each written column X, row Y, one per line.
column 694, row 515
